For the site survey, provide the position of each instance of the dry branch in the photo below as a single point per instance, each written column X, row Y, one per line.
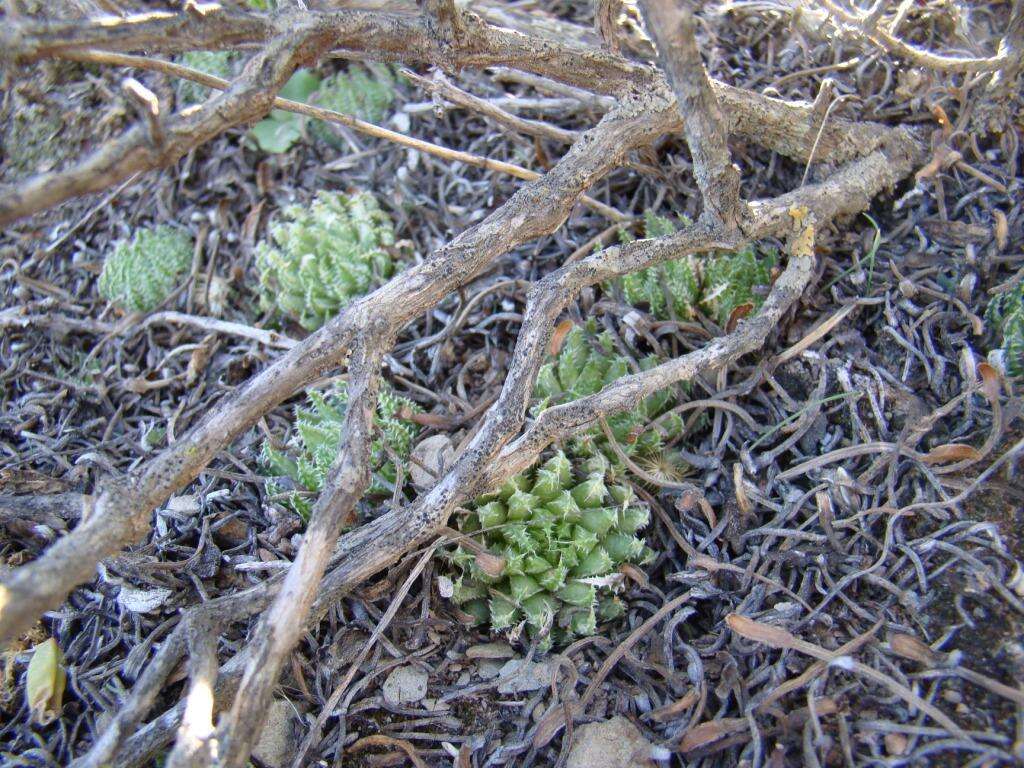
column 717, row 178
column 868, row 26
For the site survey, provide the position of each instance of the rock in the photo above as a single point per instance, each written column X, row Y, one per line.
column 142, row 600
column 525, row 677
column 490, row 651
column 611, row 744
column 436, row 453
column 488, row 669
column 435, row 705
column 276, row 745
column 405, row 685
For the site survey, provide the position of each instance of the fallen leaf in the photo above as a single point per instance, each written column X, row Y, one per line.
column 951, row 452
column 1002, row 229
column 44, row 685
column 738, row 314
column 558, row 337
column 710, row 732
column 990, row 381
column 762, row 633
column 909, row 647
column 669, row 712
column 942, row 119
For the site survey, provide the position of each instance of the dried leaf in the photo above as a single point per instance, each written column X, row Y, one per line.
column 380, row 740
column 558, row 337
column 1002, row 229
column 630, row 571
column 198, row 359
column 671, row 711
column 741, row 493
column 737, row 314
column 991, row 383
column 909, row 647
column 492, row 565
column 942, row 119
column 710, row 732
column 44, row 685
column 761, row 633
column 951, row 452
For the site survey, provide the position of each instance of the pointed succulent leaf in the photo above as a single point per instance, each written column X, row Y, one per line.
column 503, row 613
column 577, row 593
column 590, row 493
column 478, row 611
column 595, row 563
column 622, row 547
column 599, row 520
column 633, row 519
column 491, row 514
column 610, row 608
column 584, row 622
column 522, row 587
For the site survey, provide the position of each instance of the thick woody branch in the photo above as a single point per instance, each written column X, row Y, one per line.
column 362, row 126
column 368, row 327
column 195, row 746
column 281, row 625
column 674, row 33
column 156, row 31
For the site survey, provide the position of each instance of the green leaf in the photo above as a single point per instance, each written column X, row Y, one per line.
column 300, row 86
column 276, row 136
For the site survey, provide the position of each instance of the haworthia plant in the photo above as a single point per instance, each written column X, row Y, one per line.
column 586, row 363
column 554, row 539
column 140, row 273
column 218, row 63
column 717, row 285
column 324, row 255
column 298, row 470
column 1006, row 314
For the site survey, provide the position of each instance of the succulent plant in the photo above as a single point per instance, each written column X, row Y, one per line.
column 585, row 364
column 1006, row 313
column 363, row 92
column 324, row 255
column 545, row 549
column 298, row 471
column 142, row 272
column 218, row 63
column 716, row 285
